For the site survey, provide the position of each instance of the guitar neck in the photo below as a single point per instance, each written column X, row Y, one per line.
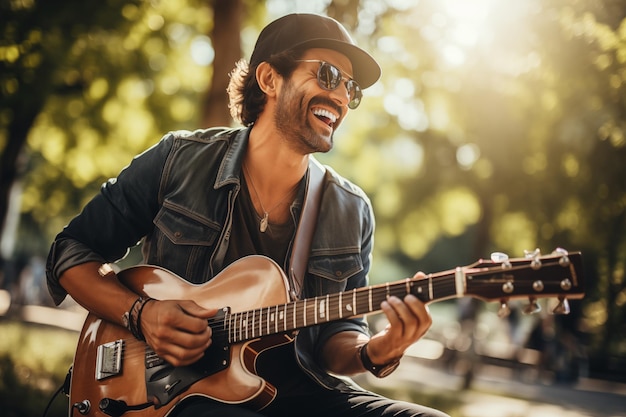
column 557, row 275
column 295, row 315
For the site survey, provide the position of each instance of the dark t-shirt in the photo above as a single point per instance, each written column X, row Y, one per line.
column 247, row 238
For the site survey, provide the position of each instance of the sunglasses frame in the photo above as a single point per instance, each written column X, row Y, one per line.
column 351, row 84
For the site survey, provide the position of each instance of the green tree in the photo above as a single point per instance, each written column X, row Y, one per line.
column 37, row 40
column 87, row 86
column 500, row 126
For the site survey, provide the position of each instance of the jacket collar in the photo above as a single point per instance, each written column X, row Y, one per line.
column 230, row 168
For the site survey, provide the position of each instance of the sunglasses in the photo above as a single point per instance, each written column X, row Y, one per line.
column 329, row 77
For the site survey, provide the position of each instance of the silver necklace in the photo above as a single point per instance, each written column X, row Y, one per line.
column 264, row 222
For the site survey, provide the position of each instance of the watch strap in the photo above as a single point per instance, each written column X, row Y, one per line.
column 379, row 371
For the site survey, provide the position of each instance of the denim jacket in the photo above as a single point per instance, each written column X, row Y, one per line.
column 178, row 197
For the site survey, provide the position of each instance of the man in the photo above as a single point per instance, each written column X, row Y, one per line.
column 202, row 200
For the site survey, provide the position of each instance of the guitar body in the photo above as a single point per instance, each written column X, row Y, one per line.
column 251, row 282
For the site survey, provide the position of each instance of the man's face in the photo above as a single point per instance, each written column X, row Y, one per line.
column 306, row 114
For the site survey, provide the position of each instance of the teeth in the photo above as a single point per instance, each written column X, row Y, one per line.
column 325, row 113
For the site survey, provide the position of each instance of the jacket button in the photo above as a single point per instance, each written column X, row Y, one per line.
column 338, row 273
column 178, row 234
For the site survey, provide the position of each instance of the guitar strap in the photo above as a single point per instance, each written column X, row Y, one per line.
column 306, row 227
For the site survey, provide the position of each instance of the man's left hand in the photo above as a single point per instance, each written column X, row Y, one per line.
column 409, row 319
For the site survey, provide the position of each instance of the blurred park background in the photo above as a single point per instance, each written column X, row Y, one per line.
column 498, row 125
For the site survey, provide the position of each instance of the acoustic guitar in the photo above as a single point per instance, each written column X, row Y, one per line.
column 115, row 374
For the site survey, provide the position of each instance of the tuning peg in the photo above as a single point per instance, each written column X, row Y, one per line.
column 564, row 261
column 532, row 307
column 501, row 257
column 562, row 307
column 504, row 310
column 530, row 254
column 535, row 258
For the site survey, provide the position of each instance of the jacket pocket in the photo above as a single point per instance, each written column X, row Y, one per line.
column 184, row 228
column 336, row 267
column 184, row 242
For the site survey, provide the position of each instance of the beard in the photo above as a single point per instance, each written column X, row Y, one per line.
column 292, row 120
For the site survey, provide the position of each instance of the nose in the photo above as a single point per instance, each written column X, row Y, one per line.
column 341, row 94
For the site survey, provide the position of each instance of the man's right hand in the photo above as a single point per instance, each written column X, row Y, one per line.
column 177, row 330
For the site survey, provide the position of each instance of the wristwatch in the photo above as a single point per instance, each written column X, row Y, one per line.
column 379, row 371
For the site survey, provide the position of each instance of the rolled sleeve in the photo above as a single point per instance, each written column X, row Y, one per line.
column 64, row 254
column 116, row 219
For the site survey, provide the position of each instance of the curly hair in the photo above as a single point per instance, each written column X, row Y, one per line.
column 246, row 99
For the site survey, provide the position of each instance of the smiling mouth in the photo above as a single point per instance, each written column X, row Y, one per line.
column 325, row 116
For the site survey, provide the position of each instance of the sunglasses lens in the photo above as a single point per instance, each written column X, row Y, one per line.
column 329, row 76
column 355, row 94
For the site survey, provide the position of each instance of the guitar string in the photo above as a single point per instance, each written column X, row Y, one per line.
column 258, row 325
column 362, row 296
column 137, row 348
column 437, row 286
column 134, row 347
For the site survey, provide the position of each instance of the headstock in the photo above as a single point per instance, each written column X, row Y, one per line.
column 557, row 275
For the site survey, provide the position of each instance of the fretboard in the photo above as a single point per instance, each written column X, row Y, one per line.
column 251, row 324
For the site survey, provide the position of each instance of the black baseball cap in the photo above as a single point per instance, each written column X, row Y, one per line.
column 304, row 31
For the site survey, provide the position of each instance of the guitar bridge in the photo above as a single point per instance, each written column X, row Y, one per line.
column 109, row 359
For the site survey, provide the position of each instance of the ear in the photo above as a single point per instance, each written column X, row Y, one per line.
column 267, row 78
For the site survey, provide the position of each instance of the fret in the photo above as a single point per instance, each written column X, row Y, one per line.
column 304, row 313
column 295, row 311
column 240, row 326
column 327, row 311
column 315, row 309
column 430, row 286
column 270, row 318
column 340, row 305
column 245, row 323
column 354, row 302
column 238, row 330
column 253, row 315
column 283, row 313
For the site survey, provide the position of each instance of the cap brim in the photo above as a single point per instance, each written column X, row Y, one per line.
column 366, row 70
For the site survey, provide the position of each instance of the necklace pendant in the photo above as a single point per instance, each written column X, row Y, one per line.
column 264, row 222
